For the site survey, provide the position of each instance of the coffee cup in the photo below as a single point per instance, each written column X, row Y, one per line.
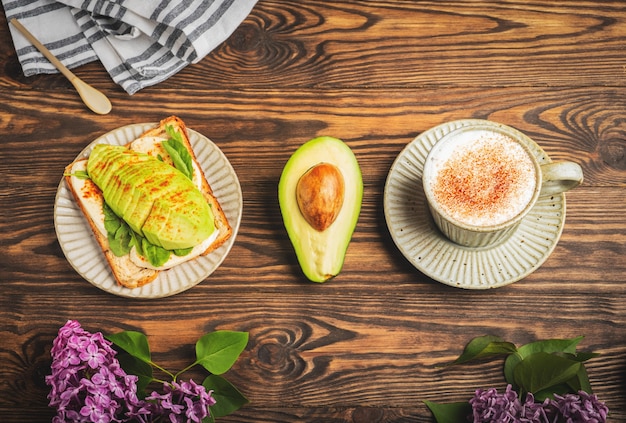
column 482, row 179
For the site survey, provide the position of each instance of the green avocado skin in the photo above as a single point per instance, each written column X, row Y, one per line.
column 155, row 199
column 321, row 254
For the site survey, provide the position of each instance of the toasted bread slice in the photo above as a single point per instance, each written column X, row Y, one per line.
column 90, row 200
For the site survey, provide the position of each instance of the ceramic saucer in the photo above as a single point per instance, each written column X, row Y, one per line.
column 421, row 242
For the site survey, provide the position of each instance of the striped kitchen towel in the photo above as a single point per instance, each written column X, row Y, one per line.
column 139, row 42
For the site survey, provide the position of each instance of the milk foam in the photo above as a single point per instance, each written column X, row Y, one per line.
column 482, row 178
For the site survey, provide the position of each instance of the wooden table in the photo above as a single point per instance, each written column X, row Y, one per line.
column 367, row 345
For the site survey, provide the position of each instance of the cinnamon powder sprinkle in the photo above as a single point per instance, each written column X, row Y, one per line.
column 487, row 183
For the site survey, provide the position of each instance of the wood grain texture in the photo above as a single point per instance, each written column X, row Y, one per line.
column 366, row 346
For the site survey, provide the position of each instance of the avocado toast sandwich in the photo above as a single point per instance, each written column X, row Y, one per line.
column 148, row 203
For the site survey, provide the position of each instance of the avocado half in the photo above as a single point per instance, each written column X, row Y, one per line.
column 321, row 253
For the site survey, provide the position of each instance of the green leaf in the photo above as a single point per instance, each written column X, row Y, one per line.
column 218, row 351
column 119, row 234
column 584, row 356
column 483, row 347
column 111, row 220
column 173, row 134
column 120, row 241
column 157, row 256
column 134, row 343
column 547, row 346
column 580, row 382
column 134, row 366
column 178, row 152
column 450, row 413
column 543, row 371
column 137, row 242
column 181, row 252
column 228, row 399
column 80, row 174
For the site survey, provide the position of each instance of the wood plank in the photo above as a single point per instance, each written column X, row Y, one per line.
column 367, row 345
column 407, row 44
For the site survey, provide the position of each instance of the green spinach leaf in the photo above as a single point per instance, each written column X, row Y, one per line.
column 178, row 152
column 181, row 252
column 80, row 174
column 119, row 233
column 157, row 256
column 111, row 220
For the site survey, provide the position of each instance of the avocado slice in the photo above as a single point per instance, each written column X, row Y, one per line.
column 155, row 199
column 320, row 193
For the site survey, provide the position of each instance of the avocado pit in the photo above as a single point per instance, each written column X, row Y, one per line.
column 320, row 194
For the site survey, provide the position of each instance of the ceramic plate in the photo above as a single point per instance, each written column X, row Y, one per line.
column 420, row 241
column 84, row 254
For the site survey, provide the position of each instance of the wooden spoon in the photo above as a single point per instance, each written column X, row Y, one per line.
column 94, row 99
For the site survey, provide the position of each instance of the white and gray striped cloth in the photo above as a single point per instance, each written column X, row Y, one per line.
column 139, row 42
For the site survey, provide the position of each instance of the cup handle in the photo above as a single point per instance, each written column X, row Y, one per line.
column 559, row 177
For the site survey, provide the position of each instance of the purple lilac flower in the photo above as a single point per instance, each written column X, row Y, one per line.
column 581, row 408
column 87, row 383
column 181, row 402
column 490, row 407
